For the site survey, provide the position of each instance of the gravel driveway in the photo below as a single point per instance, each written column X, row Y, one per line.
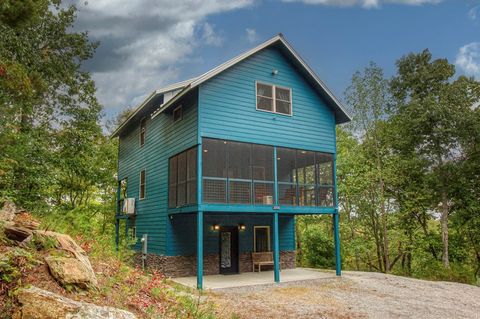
column 354, row 295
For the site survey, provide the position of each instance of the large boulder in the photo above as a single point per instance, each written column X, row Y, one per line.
column 36, row 303
column 70, row 271
column 66, row 243
column 7, row 213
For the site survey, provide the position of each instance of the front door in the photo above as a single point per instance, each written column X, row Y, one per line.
column 229, row 250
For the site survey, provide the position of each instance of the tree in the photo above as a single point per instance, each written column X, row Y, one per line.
column 43, row 91
column 431, row 109
column 368, row 98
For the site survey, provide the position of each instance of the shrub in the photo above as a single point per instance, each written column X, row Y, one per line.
column 317, row 248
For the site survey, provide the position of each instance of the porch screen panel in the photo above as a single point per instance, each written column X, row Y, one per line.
column 182, row 176
column 172, row 182
column 306, row 178
column 182, row 179
column 287, row 178
column 239, row 173
column 325, row 189
column 192, row 176
column 262, row 174
column 214, row 168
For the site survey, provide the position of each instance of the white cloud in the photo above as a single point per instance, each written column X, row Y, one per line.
column 364, row 3
column 468, row 59
column 143, row 43
column 252, row 35
column 474, row 13
column 210, row 36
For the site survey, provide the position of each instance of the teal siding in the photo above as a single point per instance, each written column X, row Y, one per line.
column 227, row 106
column 183, row 232
column 226, row 109
column 163, row 139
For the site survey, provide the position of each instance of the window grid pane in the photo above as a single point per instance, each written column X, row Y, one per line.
column 263, row 193
column 240, row 192
column 287, row 194
column 325, row 196
column 264, row 90
column 264, row 103
column 215, row 191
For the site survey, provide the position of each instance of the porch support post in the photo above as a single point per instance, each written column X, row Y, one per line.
column 117, row 232
column 336, row 233
column 336, row 217
column 200, row 250
column 276, row 248
column 275, row 176
column 117, row 213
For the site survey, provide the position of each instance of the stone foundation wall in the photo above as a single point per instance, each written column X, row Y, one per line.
column 183, row 266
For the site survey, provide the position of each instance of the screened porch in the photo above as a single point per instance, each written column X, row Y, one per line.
column 237, row 174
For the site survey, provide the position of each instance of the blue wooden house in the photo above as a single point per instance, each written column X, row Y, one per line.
column 220, row 165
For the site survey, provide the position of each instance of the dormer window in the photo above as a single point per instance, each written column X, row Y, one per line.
column 143, row 130
column 275, row 99
column 177, row 114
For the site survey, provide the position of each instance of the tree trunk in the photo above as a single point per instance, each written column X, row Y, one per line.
column 444, row 225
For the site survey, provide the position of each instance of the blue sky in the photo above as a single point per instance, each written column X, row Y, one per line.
column 146, row 44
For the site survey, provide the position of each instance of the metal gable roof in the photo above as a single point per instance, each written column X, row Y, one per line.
column 341, row 114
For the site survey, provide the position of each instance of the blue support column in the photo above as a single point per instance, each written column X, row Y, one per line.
column 336, row 217
column 336, row 231
column 275, row 176
column 117, row 212
column 200, row 212
column 200, row 250
column 276, row 249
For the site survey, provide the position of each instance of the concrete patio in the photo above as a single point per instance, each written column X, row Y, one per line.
column 254, row 278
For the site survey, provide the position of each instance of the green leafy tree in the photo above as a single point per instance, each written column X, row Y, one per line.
column 431, row 109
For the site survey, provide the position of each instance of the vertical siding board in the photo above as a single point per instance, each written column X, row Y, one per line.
column 227, row 106
column 163, row 139
column 184, row 232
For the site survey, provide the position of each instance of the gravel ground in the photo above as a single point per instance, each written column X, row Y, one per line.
column 354, row 295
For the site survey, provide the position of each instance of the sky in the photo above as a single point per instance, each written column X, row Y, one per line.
column 147, row 44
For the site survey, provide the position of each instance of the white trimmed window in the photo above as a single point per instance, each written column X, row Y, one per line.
column 142, row 184
column 178, row 113
column 275, row 99
column 143, row 131
column 261, row 238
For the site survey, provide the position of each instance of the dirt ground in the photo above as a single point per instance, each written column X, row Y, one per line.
column 354, row 295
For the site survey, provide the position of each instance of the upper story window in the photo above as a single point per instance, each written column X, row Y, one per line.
column 142, row 184
column 143, row 130
column 272, row 98
column 177, row 114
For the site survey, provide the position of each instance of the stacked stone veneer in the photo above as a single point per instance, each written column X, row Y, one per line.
column 183, row 266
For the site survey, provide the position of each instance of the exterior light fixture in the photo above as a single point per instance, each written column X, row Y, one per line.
column 205, row 151
column 242, row 226
column 274, row 72
column 216, row 227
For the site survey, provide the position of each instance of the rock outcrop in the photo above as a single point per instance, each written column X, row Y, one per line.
column 41, row 304
column 22, row 228
column 18, row 223
column 7, row 213
column 70, row 271
column 67, row 270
